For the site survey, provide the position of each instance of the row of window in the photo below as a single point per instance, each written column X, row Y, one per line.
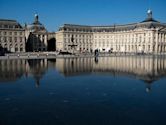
column 80, row 48
column 5, row 45
column 162, row 37
column 122, row 40
column 76, row 30
column 76, row 35
column 122, row 36
column 10, row 33
column 10, row 26
column 129, row 35
column 78, row 40
column 134, row 36
column 12, row 38
column 94, row 30
column 115, row 43
column 79, row 45
column 127, row 48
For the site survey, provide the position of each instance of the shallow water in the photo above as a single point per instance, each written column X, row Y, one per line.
column 120, row 90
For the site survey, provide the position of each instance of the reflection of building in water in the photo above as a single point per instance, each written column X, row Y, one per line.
column 143, row 67
column 146, row 68
column 11, row 70
column 74, row 66
column 37, row 69
column 51, row 63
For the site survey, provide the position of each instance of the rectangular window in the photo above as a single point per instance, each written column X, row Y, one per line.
column 20, row 39
column 15, row 39
column 10, row 26
column 149, row 47
column 16, row 49
column 10, row 39
column 21, row 49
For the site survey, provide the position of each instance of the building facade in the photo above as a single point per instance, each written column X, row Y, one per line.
column 12, row 36
column 82, row 37
column 36, row 36
column 148, row 36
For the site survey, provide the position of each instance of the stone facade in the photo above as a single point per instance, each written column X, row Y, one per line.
column 148, row 36
column 12, row 36
column 31, row 38
column 82, row 35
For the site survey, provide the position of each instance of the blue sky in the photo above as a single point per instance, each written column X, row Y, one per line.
column 53, row 13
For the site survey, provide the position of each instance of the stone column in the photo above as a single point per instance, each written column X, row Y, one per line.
column 146, row 42
column 152, row 42
column 160, row 41
column 156, row 46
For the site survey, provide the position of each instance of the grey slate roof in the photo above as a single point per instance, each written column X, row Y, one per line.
column 9, row 24
column 113, row 28
column 149, row 22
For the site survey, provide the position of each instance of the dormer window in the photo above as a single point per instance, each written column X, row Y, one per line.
column 16, row 26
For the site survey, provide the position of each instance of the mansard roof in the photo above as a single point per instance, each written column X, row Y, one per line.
column 148, row 23
column 9, row 24
column 113, row 28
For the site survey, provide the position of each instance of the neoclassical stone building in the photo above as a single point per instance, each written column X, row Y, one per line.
column 148, row 36
column 12, row 36
column 36, row 36
column 31, row 38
